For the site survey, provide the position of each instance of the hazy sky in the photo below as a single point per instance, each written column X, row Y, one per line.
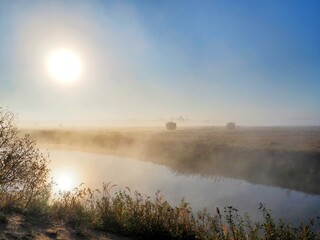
column 253, row 62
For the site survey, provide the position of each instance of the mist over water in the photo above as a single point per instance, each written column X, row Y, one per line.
column 210, row 166
column 210, row 192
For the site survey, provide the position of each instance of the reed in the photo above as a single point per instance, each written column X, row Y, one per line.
column 144, row 217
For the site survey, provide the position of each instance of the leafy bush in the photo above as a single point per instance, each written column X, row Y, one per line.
column 23, row 168
column 231, row 125
column 171, row 126
column 3, row 218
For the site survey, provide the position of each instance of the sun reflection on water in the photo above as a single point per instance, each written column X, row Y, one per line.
column 64, row 180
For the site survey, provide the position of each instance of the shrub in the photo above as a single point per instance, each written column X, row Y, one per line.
column 171, row 126
column 23, row 168
column 3, row 218
column 231, row 125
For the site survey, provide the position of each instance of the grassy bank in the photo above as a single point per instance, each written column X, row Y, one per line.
column 141, row 217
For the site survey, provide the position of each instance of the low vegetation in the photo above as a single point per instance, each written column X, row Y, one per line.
column 23, row 169
column 143, row 217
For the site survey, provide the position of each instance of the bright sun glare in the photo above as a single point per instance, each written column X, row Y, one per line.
column 64, row 65
column 65, row 181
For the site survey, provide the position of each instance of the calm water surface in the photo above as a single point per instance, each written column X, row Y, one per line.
column 70, row 168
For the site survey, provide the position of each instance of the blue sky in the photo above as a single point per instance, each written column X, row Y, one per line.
column 253, row 62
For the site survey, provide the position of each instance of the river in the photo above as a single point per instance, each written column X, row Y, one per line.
column 71, row 168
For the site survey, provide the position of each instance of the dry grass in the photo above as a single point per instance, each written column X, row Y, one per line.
column 85, row 214
column 144, row 217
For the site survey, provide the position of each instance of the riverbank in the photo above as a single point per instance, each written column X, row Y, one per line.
column 82, row 214
column 19, row 226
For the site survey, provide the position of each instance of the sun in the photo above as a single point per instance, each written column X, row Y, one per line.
column 64, row 65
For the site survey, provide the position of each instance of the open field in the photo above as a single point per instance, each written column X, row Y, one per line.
column 287, row 157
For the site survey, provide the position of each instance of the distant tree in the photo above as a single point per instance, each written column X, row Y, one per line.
column 23, row 168
column 171, row 126
column 231, row 125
